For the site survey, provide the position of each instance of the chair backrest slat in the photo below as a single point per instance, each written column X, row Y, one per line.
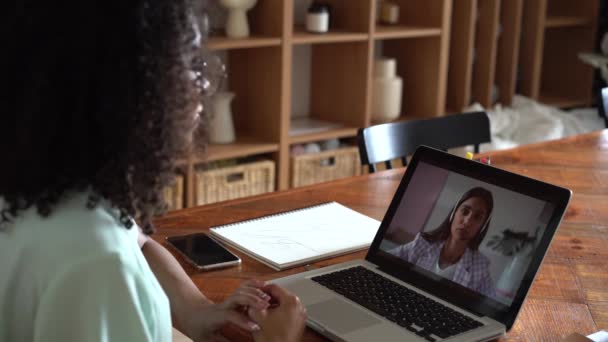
column 385, row 142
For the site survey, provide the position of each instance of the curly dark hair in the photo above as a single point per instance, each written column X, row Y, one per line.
column 99, row 95
column 442, row 232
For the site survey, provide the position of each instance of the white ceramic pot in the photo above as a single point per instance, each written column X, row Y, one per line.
column 237, row 25
column 221, row 127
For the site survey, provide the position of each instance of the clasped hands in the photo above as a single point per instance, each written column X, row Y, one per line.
column 250, row 308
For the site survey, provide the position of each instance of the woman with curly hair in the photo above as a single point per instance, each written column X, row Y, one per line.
column 100, row 99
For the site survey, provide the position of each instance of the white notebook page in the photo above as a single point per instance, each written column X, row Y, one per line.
column 301, row 235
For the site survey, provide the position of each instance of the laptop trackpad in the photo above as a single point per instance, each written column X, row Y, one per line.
column 340, row 316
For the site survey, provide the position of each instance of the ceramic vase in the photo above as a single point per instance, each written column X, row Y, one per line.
column 221, row 126
column 237, row 25
column 387, row 90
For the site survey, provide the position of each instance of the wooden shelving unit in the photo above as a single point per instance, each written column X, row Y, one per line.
column 511, row 12
column 486, row 44
column 565, row 21
column 336, row 133
column 432, row 37
column 420, row 44
column 222, row 43
column 300, row 36
column 261, row 67
column 484, row 49
column 401, row 31
column 554, row 32
column 243, row 147
column 462, row 45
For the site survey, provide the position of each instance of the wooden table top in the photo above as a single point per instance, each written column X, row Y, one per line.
column 570, row 294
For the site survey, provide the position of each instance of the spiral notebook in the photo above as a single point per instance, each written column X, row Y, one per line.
column 300, row 236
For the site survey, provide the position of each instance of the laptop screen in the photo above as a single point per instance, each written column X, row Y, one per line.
column 476, row 236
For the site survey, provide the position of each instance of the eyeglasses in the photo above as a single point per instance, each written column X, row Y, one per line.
column 209, row 72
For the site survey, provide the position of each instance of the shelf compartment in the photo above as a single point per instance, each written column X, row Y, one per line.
column 224, row 43
column 403, row 31
column 349, row 22
column 242, row 147
column 265, row 25
column 460, row 70
column 563, row 21
column 334, row 133
column 335, row 93
column 572, row 85
column 486, row 44
column 256, row 122
column 508, row 49
column 423, row 74
column 546, row 52
column 300, row 36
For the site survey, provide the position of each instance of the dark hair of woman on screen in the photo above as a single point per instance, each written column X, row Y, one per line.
column 451, row 249
column 100, row 99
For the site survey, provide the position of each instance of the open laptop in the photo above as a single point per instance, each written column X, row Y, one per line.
column 416, row 283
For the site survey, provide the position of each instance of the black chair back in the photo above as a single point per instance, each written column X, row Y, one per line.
column 386, row 142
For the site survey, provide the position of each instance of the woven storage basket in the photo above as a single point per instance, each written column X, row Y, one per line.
column 325, row 166
column 234, row 182
column 174, row 195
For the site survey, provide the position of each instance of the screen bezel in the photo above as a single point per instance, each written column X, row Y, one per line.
column 171, row 239
column 446, row 289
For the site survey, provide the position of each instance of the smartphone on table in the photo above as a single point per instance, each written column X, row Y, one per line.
column 203, row 252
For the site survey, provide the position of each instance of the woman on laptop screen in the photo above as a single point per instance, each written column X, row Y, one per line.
column 451, row 250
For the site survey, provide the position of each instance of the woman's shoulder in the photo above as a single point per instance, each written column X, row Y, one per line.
column 423, row 241
column 420, row 243
column 71, row 232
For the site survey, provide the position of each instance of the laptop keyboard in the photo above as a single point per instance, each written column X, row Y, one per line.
column 409, row 309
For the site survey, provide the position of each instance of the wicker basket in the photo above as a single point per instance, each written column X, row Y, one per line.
column 325, row 166
column 234, row 182
column 174, row 195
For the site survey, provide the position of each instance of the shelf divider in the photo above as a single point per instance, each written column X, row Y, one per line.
column 224, row 43
column 403, row 31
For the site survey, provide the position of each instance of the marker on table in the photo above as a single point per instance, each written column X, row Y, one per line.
column 484, row 160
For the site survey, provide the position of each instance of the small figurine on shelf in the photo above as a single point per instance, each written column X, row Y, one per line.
column 317, row 18
column 389, row 13
column 237, row 25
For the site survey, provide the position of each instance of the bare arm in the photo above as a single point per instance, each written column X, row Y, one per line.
column 193, row 313
column 182, row 292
